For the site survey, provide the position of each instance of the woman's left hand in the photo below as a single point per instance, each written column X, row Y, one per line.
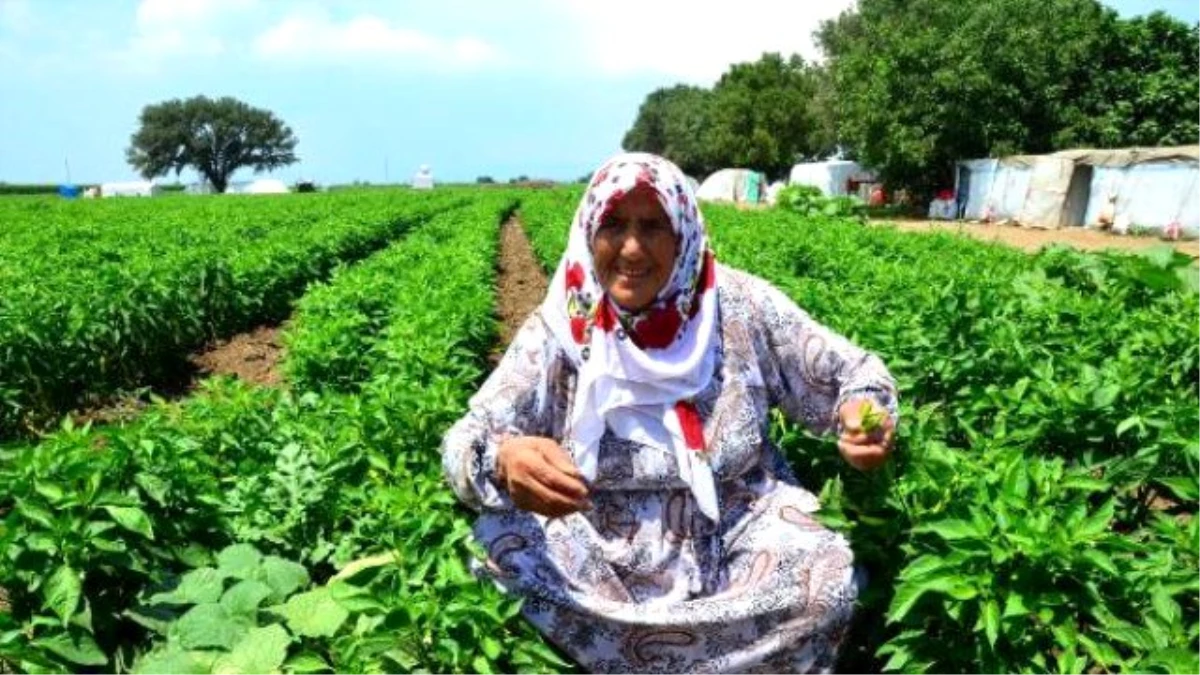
column 864, row 447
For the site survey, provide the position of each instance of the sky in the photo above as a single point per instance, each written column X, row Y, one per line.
column 374, row 89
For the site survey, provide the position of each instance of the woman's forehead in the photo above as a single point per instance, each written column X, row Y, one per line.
column 641, row 202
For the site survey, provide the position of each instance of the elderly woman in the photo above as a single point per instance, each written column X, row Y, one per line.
column 620, row 459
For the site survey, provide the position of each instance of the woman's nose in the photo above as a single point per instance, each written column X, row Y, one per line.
column 632, row 247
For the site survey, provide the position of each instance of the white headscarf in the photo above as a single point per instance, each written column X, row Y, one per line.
column 638, row 371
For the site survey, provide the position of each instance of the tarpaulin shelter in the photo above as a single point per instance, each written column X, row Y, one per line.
column 732, row 185
column 1150, row 188
column 834, row 177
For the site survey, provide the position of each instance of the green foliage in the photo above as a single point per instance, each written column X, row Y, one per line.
column 807, row 200
column 547, row 220
column 261, row 504
column 1146, row 92
column 675, row 122
column 107, row 294
column 1039, row 513
column 336, row 339
column 216, row 137
column 762, row 115
column 920, row 85
column 1040, row 510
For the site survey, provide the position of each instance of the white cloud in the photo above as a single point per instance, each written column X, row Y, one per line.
column 694, row 41
column 314, row 36
column 165, row 29
column 185, row 13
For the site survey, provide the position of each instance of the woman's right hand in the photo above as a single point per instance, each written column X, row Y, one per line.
column 541, row 477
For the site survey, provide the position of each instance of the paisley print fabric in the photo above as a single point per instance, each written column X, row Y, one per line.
column 646, row 581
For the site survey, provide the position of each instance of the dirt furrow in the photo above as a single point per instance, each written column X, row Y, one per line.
column 253, row 356
column 520, row 283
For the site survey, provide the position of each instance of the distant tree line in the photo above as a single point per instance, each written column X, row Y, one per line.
column 909, row 86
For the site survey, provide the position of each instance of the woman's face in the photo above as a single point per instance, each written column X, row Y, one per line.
column 634, row 250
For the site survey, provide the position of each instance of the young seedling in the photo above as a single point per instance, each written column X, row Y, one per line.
column 872, row 418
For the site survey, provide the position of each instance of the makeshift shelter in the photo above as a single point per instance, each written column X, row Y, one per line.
column 424, row 179
column 265, row 186
column 137, row 188
column 1152, row 188
column 772, row 192
column 833, row 177
column 732, row 185
column 201, row 187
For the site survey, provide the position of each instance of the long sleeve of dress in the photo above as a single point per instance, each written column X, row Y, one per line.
column 814, row 370
column 515, row 400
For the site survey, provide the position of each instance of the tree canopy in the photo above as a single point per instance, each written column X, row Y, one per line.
column 216, row 137
column 759, row 115
column 910, row 86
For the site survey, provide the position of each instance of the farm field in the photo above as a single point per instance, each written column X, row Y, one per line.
column 99, row 296
column 1031, row 239
column 1039, row 513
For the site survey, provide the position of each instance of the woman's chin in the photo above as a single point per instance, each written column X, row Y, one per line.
column 630, row 301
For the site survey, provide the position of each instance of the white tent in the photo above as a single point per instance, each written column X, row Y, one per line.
column 772, row 192
column 265, row 186
column 732, row 185
column 136, row 188
column 202, row 187
column 424, row 179
column 1152, row 188
column 833, row 177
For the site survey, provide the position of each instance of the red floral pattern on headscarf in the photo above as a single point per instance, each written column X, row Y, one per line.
column 639, row 368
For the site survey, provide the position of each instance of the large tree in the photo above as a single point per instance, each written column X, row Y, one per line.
column 216, row 137
column 926, row 82
column 674, row 122
column 1147, row 89
column 763, row 115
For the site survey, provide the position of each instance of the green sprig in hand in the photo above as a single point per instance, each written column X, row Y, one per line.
column 867, row 431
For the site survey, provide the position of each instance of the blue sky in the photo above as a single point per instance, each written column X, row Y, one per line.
column 545, row 88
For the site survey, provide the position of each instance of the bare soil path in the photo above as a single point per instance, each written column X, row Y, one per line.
column 253, row 356
column 520, row 283
column 1032, row 239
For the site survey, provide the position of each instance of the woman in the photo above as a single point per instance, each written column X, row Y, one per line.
column 619, row 452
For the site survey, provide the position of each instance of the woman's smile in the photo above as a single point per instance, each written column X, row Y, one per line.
column 634, row 250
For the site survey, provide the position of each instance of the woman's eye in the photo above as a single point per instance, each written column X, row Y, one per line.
column 610, row 227
column 658, row 227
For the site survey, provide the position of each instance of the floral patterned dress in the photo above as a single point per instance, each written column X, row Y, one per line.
column 645, row 582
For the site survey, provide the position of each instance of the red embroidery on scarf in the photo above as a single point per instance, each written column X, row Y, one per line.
column 574, row 276
column 606, row 318
column 578, row 328
column 658, row 329
column 693, row 428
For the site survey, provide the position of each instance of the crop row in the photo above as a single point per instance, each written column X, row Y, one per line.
column 296, row 530
column 1040, row 510
column 101, row 295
